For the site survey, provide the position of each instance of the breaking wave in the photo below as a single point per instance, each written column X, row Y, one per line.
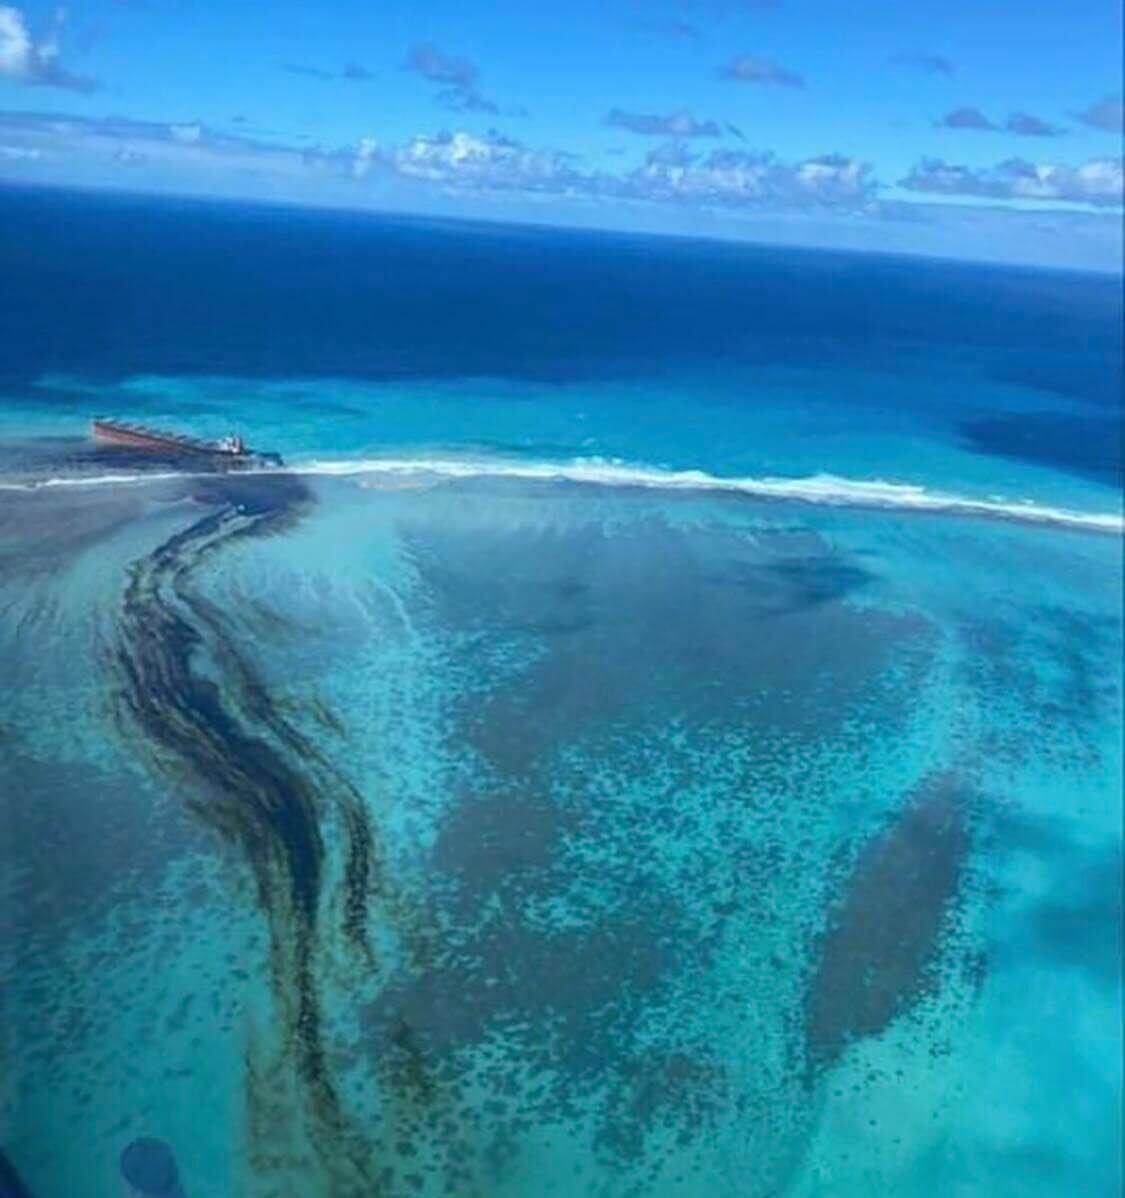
column 823, row 489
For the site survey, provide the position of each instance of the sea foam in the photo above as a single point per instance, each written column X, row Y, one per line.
column 827, row 489
column 823, row 489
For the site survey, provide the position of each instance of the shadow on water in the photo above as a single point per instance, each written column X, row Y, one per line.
column 262, row 784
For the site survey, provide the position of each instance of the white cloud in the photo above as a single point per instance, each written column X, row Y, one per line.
column 365, row 157
column 35, row 62
column 189, row 151
column 1099, row 182
column 724, row 178
column 732, row 178
column 20, row 154
column 188, row 135
column 674, row 176
column 17, row 53
column 462, row 159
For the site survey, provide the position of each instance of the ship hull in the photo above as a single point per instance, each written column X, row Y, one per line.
column 140, row 438
column 133, row 436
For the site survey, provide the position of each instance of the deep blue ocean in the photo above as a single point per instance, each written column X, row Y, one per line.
column 659, row 733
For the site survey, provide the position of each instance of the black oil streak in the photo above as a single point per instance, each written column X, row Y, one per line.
column 233, row 741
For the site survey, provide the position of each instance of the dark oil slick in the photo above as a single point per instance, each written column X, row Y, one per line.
column 259, row 782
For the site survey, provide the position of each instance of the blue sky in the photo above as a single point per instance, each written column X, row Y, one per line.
column 972, row 127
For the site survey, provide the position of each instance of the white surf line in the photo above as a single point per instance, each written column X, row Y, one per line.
column 820, row 489
column 100, row 480
column 824, row 489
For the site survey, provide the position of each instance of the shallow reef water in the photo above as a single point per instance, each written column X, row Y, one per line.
column 498, row 837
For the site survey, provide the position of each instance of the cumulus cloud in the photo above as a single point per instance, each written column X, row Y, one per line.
column 734, row 178
column 676, row 124
column 830, row 199
column 675, row 173
column 492, row 162
column 1107, row 113
column 458, row 77
column 965, row 118
column 748, row 69
column 365, row 158
column 671, row 172
column 35, row 62
column 1098, row 182
column 457, row 162
column 116, row 142
column 933, row 64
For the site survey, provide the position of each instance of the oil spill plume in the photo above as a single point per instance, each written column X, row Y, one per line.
column 206, row 715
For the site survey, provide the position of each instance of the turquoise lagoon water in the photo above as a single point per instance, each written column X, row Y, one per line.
column 694, row 774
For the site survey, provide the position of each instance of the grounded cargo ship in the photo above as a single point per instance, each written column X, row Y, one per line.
column 227, row 451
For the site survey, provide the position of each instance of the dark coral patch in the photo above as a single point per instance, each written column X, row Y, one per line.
column 649, row 621
column 878, row 954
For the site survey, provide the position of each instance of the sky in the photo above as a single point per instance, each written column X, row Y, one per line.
column 983, row 129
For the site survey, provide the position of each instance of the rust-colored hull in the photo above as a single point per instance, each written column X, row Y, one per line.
column 226, row 455
column 137, row 437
